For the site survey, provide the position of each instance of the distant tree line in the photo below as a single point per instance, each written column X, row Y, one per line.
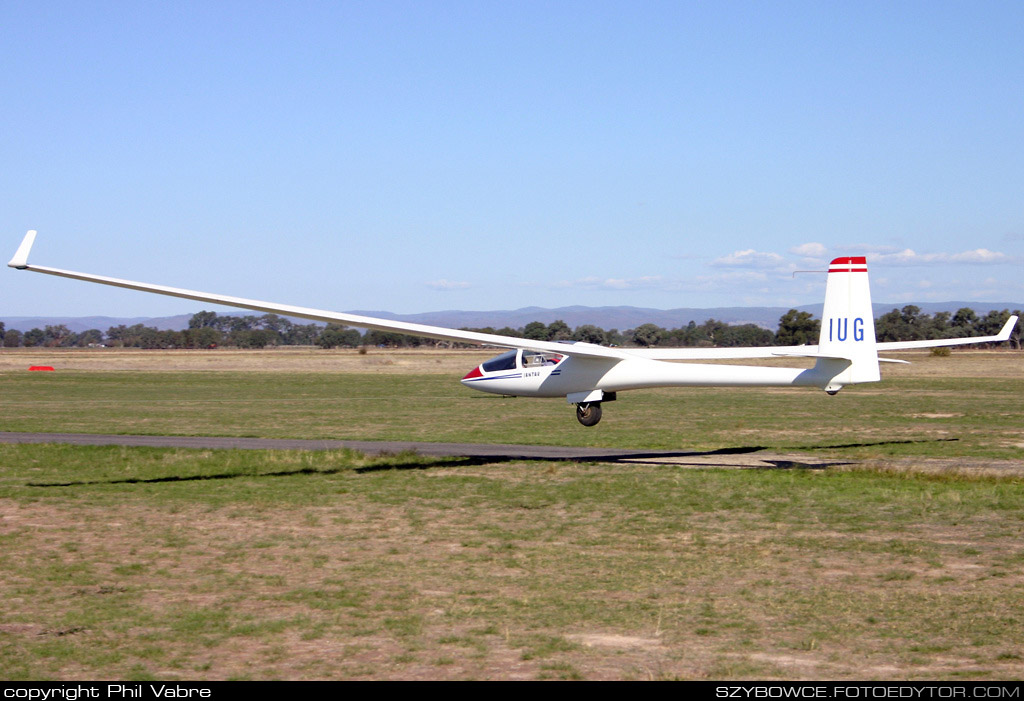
column 208, row 330
column 795, row 328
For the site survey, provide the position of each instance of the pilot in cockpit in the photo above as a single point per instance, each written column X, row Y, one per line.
column 537, row 359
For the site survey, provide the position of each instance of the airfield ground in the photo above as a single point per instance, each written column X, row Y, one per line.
column 887, row 545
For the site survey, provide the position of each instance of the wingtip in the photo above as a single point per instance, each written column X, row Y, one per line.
column 20, row 259
column 1008, row 327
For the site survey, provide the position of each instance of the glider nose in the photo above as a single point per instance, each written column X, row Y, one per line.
column 475, row 372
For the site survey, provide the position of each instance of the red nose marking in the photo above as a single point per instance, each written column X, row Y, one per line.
column 475, row 372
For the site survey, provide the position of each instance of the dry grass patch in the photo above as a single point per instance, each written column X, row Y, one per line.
column 500, row 571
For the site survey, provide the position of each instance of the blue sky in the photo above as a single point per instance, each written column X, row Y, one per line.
column 419, row 156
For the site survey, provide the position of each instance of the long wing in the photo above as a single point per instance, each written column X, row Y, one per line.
column 1003, row 335
column 724, row 353
column 583, row 350
column 812, row 351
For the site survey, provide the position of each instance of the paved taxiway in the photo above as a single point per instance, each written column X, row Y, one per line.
column 735, row 458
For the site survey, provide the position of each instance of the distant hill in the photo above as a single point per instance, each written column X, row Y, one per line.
column 623, row 318
column 620, row 318
column 78, row 324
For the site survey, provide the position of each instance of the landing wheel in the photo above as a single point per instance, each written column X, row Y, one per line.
column 588, row 413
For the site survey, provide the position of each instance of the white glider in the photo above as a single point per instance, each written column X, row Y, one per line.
column 587, row 374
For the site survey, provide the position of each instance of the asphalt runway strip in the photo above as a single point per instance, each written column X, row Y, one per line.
column 742, row 458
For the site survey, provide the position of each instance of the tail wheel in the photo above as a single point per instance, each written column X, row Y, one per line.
column 588, row 413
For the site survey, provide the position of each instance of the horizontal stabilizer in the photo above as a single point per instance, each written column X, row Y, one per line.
column 810, row 354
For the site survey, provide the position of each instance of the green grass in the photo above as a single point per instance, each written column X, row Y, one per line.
column 959, row 417
column 141, row 563
column 267, row 564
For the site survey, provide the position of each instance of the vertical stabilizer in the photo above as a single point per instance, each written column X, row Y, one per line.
column 848, row 325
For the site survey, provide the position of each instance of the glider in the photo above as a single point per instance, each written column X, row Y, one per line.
column 588, row 375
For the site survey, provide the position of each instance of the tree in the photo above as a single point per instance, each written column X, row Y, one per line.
column 910, row 314
column 253, row 338
column 34, row 337
column 223, row 324
column 559, row 331
column 689, row 335
column 588, row 333
column 963, row 322
column 390, row 339
column 992, row 323
column 203, row 337
column 1015, row 335
column 135, row 336
column 647, row 335
column 145, row 336
column 302, row 334
column 535, row 331
column 168, row 338
column 939, row 326
column 116, row 334
column 203, row 320
column 744, row 335
column 91, row 337
column 797, row 329
column 915, row 324
column 12, row 338
column 277, row 324
column 614, row 338
column 713, row 328
column 338, row 335
column 243, row 323
column 56, row 336
column 889, row 327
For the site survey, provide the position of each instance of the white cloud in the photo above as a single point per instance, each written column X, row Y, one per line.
column 733, row 281
column 750, row 259
column 908, row 256
column 980, row 255
column 810, row 250
column 445, row 285
column 613, row 283
column 904, row 256
column 869, row 248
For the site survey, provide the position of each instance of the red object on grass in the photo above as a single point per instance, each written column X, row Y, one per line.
column 41, row 367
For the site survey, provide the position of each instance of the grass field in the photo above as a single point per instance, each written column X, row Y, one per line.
column 900, row 560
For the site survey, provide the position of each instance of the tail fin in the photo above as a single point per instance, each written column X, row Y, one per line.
column 847, row 339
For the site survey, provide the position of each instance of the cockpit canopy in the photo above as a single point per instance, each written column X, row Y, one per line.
column 513, row 359
column 505, row 361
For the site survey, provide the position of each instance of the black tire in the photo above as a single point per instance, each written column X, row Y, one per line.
column 588, row 413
